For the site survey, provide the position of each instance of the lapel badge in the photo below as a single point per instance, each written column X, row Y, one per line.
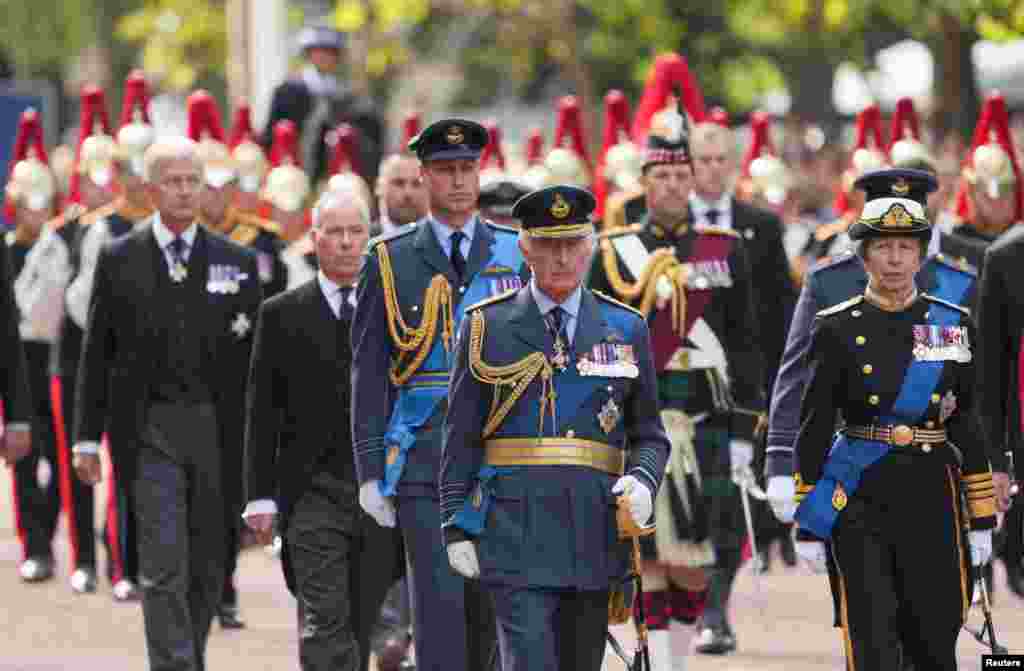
column 947, row 407
column 241, row 326
column 455, row 135
column 609, row 416
column 839, row 498
column 560, row 209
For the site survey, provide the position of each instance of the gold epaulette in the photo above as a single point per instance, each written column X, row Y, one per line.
column 835, row 309
column 132, row 213
column 244, row 234
column 267, row 225
column 961, row 264
column 391, row 235
column 608, row 299
column 716, row 230
column 102, row 212
column 497, row 298
column 933, row 299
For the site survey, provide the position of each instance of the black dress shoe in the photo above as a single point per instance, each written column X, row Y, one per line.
column 36, row 569
column 229, row 618
column 715, row 641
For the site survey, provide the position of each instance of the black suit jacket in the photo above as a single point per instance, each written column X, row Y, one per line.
column 774, row 293
column 299, row 395
column 14, row 393
column 121, row 345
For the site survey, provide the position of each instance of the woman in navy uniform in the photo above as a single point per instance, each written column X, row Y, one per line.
column 886, row 489
column 552, row 415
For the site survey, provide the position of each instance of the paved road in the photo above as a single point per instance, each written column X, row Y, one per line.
column 782, row 625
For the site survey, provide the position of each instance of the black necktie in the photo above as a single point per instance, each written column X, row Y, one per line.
column 458, row 262
column 344, row 307
column 712, row 216
column 556, row 314
column 178, row 249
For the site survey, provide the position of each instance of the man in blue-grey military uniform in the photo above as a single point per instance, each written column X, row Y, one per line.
column 412, row 294
column 552, row 416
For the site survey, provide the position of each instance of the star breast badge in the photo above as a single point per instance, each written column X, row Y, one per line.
column 241, row 326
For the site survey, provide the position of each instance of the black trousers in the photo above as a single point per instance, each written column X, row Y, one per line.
column 549, row 630
column 181, row 545
column 78, row 497
column 343, row 564
column 902, row 559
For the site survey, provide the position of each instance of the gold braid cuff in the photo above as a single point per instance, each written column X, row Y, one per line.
column 415, row 342
column 662, row 263
column 516, row 377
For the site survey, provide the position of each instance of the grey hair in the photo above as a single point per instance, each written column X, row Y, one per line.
column 335, row 198
column 174, row 147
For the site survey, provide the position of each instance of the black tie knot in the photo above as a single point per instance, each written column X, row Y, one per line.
column 712, row 216
column 557, row 321
column 458, row 261
column 178, row 248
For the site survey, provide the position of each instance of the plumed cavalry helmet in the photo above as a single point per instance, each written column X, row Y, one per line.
column 250, row 161
column 30, row 183
column 136, row 133
column 287, row 185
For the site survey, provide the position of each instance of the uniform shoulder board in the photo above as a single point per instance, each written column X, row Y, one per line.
column 92, row 216
column 244, row 234
column 832, row 261
column 393, row 235
column 497, row 298
column 502, row 228
column 961, row 264
column 953, row 306
column 608, row 299
column 716, row 230
column 836, row 309
column 618, row 232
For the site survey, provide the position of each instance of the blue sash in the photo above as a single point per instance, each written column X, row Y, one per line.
column 850, row 457
column 420, row 396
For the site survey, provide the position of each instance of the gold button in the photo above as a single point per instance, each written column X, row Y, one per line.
column 867, row 369
column 860, row 340
column 926, row 448
column 570, row 434
column 936, row 398
column 873, row 399
column 929, row 424
column 856, row 313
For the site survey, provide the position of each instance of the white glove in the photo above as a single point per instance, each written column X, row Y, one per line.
column 782, row 497
column 981, row 546
column 462, row 558
column 376, row 505
column 813, row 554
column 741, row 454
column 640, row 503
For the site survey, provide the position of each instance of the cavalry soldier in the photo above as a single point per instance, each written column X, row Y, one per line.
column 287, row 187
column 49, row 267
column 694, row 285
column 99, row 227
column 868, row 155
column 412, row 294
column 552, row 414
column 897, row 364
column 250, row 161
column 29, row 204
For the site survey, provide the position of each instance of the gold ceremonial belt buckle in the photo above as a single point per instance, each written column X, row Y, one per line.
column 901, row 435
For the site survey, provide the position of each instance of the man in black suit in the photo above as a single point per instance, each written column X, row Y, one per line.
column 15, row 420
column 163, row 365
column 712, row 203
column 337, row 561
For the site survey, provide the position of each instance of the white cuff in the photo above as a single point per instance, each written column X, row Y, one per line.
column 86, row 447
column 260, row 507
column 17, row 426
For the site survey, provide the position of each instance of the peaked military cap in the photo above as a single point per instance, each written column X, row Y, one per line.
column 895, row 204
column 556, row 212
column 501, row 196
column 450, row 139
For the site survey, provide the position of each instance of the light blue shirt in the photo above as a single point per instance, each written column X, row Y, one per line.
column 165, row 236
column 444, row 232
column 571, row 306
